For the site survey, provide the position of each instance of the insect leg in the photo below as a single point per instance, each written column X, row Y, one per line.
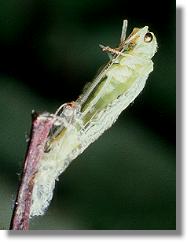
column 108, row 53
column 63, row 118
column 111, row 50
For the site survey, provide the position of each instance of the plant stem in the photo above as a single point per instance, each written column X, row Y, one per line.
column 41, row 125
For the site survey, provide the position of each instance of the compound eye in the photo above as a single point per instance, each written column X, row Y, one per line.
column 148, row 37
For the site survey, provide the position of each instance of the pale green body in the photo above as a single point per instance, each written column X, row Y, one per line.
column 99, row 107
column 117, row 81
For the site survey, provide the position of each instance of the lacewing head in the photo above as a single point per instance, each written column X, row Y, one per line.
column 142, row 42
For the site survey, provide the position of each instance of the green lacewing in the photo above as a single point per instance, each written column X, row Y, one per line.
column 78, row 124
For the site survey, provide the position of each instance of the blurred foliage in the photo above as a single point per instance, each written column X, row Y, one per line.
column 49, row 50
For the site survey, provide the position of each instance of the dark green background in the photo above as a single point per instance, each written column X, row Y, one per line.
column 48, row 51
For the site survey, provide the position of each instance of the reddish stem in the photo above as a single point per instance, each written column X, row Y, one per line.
column 41, row 126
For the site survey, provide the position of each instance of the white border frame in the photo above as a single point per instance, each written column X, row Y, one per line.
column 181, row 233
